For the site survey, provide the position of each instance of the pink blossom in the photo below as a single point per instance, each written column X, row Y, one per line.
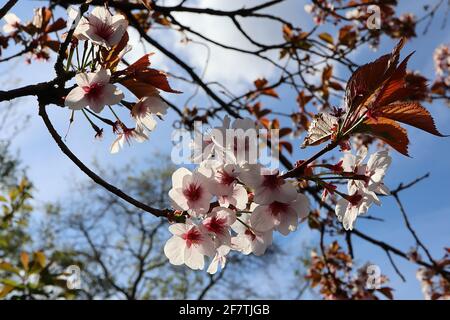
column 218, row 224
column 356, row 204
column 219, row 259
column 147, row 107
column 281, row 216
column 248, row 240
column 189, row 192
column 188, row 245
column 93, row 90
column 268, row 187
column 12, row 23
column 126, row 136
column 102, row 28
column 237, row 198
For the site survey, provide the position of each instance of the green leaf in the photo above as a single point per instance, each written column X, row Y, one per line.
column 40, row 258
column 8, row 267
column 326, row 37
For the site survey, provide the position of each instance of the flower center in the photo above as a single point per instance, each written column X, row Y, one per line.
column 216, row 225
column 250, row 234
column 104, row 30
column 93, row 90
column 354, row 199
column 225, row 178
column 277, row 208
column 193, row 236
column 193, row 192
column 272, row 181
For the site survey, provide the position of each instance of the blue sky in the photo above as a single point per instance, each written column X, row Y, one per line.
column 428, row 203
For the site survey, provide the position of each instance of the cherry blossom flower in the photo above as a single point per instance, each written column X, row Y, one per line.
column 189, row 192
column 222, row 181
column 218, row 224
column 126, row 136
column 93, row 90
column 144, row 110
column 247, row 240
column 347, row 209
column 281, row 216
column 102, row 28
column 229, row 145
column 12, row 23
column 237, row 198
column 188, row 245
column 219, row 259
column 221, row 177
column 374, row 170
column 268, row 187
column 203, row 145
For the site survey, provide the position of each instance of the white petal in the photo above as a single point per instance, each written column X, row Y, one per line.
column 179, row 177
column 288, row 222
column 117, row 144
column 341, row 208
column 174, row 250
column 287, row 193
column 76, row 99
column 102, row 14
column 84, row 79
column 349, row 218
column 194, row 259
column 11, row 18
column 179, row 229
column 261, row 219
column 179, row 201
column 260, row 244
column 301, row 206
column 101, row 77
column 240, row 197
column 157, row 105
column 148, row 122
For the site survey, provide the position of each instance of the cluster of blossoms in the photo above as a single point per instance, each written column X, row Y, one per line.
column 365, row 180
column 33, row 35
column 363, row 192
column 106, row 42
column 441, row 59
column 229, row 203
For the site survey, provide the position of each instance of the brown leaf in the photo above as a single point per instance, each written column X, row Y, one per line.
column 111, row 58
column 395, row 89
column 140, row 89
column 335, row 85
column 56, row 26
column 25, row 260
column 327, row 73
column 147, row 4
column 412, row 113
column 286, row 145
column 139, row 65
column 260, row 84
column 390, row 132
column 156, row 78
column 387, row 292
column 303, row 99
column 369, row 77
